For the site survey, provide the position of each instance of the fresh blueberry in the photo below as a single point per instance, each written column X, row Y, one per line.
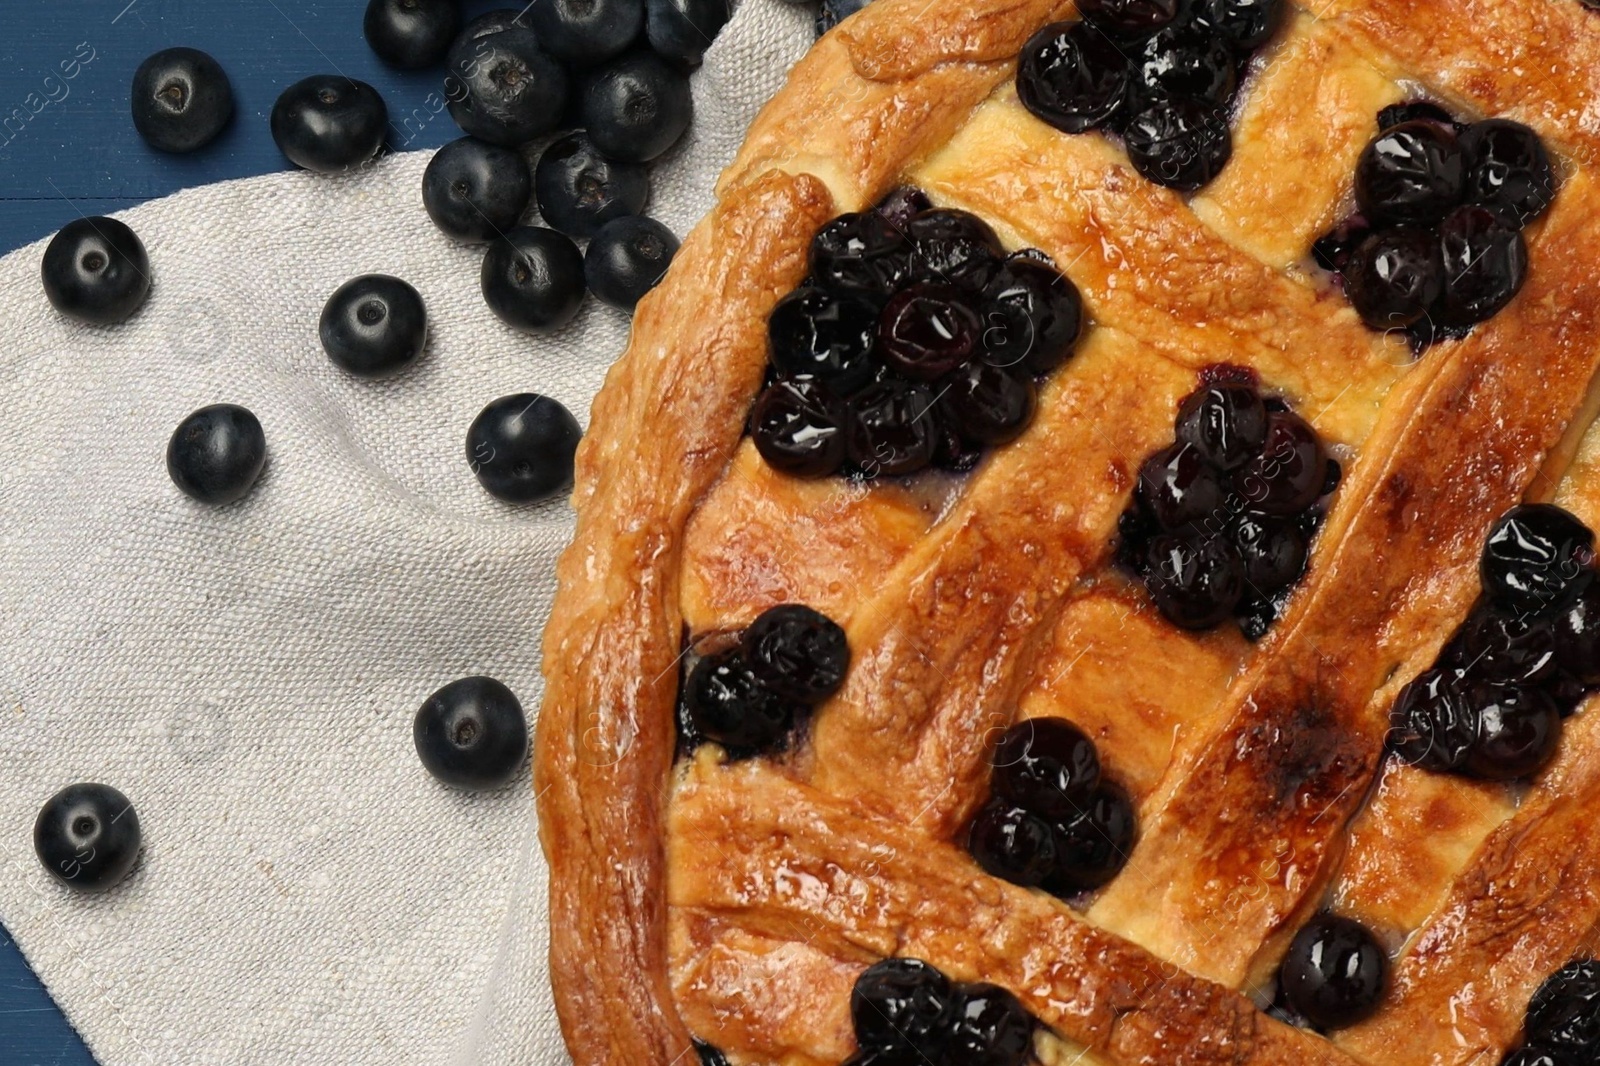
column 928, row 330
column 1179, row 143
column 1334, row 973
column 1032, row 316
column 636, row 106
column 374, row 325
column 87, row 836
column 1289, row 473
column 1184, row 59
column 901, row 1005
column 893, row 429
column 1564, row 1014
column 1195, row 581
column 798, row 429
column 216, row 454
column 825, row 336
column 1274, row 552
column 1537, row 559
column 532, row 279
column 582, row 33
column 799, row 653
column 328, row 123
column 626, row 259
column 579, row 190
column 1411, row 173
column 833, row 12
column 95, row 270
column 411, row 34
column 1048, row 766
column 684, row 29
column 476, row 191
column 988, row 1026
column 1432, row 725
column 1394, row 277
column 1072, row 77
column 988, row 405
column 1485, row 263
column 1093, row 845
column 471, row 734
column 1129, row 18
column 728, row 705
column 1012, row 843
column 1226, row 422
column 1244, row 24
column 1577, row 636
column 522, row 447
column 1178, row 487
column 503, row 87
column 1508, row 170
column 181, row 100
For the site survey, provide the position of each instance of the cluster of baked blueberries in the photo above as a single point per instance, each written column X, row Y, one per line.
column 914, row 341
column 1492, row 705
column 1562, row 1024
column 1333, row 975
column 1052, row 821
column 1436, row 244
column 907, row 1013
column 1221, row 520
column 749, row 697
column 1160, row 74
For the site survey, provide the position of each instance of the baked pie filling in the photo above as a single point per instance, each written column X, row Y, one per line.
column 1210, row 690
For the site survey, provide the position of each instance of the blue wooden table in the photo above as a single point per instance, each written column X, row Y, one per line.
column 68, row 147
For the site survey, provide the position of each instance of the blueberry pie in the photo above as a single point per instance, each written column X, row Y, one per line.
column 1089, row 557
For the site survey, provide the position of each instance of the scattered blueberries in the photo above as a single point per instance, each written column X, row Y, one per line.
column 471, row 734
column 87, row 836
column 636, row 106
column 216, row 454
column 684, row 29
column 96, row 270
column 374, row 326
column 505, row 88
column 833, row 12
column 583, row 33
column 476, row 191
column 521, row 447
column 1491, row 706
column 181, row 100
column 626, row 259
column 749, row 697
column 532, row 279
column 412, row 34
column 1334, row 972
column 1436, row 245
column 329, row 123
column 579, row 189
column 904, row 1010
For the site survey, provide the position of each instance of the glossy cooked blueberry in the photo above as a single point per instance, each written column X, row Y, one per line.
column 1432, row 725
column 1195, row 581
column 1032, row 316
column 411, row 34
column 865, row 253
column 636, row 106
column 1507, row 647
column 1288, row 474
column 1334, row 973
column 374, row 325
column 825, row 336
column 217, row 453
column 532, row 279
column 503, row 87
column 1333, row 249
column 900, row 204
column 328, row 123
column 1256, row 613
column 1129, row 18
column 1411, row 110
column 799, row 653
column 1564, row 1014
column 1244, row 24
column 928, row 330
column 1226, row 422
column 1046, row 765
column 1576, row 629
column 1485, row 263
column 1093, row 845
column 1178, row 487
column 1273, row 550
column 1534, row 1056
column 988, row 1026
column 1508, row 170
column 1184, row 59
column 956, row 247
column 1518, row 730
column 626, row 259
column 1537, row 559
column 1180, row 143
column 684, row 29
column 585, row 32
column 1012, row 843
column 579, row 189
column 1414, row 172
column 901, row 1005
column 798, row 429
column 988, row 405
column 709, row 1054
column 1072, row 77
column 893, row 429
column 521, row 447
column 182, row 100
column 87, row 836
column 471, row 734
column 96, row 270
column 476, row 191
column 833, row 12
column 728, row 705
column 1394, row 277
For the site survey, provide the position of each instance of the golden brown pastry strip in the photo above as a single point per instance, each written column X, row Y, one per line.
column 855, row 884
column 895, row 39
column 605, row 736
